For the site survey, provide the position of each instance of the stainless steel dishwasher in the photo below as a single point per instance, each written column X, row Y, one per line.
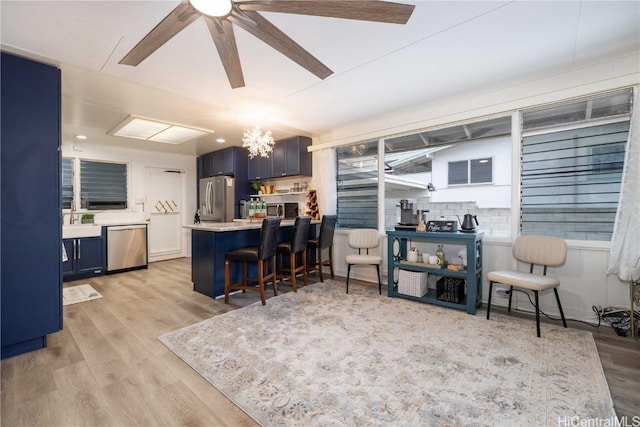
column 126, row 247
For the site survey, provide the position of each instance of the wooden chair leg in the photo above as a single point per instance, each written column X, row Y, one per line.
column 303, row 259
column 244, row 275
column 292, row 271
column 261, row 282
column 273, row 276
column 227, row 283
column 348, row 273
column 331, row 261
column 319, row 263
column 379, row 281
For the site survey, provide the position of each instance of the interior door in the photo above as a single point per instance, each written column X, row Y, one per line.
column 164, row 210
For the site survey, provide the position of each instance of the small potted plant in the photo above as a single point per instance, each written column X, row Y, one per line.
column 257, row 185
column 87, row 218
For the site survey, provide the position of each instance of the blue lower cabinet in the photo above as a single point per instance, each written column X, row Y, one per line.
column 68, row 266
column 85, row 258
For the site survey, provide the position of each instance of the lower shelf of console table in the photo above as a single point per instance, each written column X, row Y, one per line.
column 472, row 276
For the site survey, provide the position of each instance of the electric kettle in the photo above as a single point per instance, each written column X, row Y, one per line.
column 468, row 224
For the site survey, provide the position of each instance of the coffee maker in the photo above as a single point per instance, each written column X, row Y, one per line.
column 407, row 216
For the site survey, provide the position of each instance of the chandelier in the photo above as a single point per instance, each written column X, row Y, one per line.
column 258, row 143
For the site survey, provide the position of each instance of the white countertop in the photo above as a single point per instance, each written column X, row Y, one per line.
column 79, row 230
column 122, row 222
column 237, row 225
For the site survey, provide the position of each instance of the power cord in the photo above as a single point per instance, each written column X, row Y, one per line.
column 616, row 317
column 619, row 318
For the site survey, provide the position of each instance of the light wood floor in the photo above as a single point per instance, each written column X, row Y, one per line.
column 108, row 368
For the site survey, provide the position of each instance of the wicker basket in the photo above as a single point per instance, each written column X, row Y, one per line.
column 412, row 283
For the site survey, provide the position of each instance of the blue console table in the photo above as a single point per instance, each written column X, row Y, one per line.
column 397, row 253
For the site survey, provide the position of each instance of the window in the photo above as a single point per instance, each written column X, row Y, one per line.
column 357, row 185
column 435, row 171
column 570, row 178
column 66, row 189
column 103, row 186
column 458, row 172
column 478, row 171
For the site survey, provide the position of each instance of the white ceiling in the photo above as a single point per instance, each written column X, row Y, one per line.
column 448, row 48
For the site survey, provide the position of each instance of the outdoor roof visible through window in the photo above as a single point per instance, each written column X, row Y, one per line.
column 452, row 134
column 607, row 105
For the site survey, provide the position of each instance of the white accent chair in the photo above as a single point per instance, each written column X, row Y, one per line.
column 537, row 251
column 364, row 239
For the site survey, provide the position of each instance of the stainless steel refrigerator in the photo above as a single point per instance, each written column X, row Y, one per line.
column 217, row 199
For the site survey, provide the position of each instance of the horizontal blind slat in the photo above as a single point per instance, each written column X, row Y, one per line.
column 357, row 186
column 103, row 182
column 570, row 181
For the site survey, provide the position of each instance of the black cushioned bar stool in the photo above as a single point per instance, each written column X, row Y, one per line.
column 296, row 249
column 322, row 242
column 264, row 255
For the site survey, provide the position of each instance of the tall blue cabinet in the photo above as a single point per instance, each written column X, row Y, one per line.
column 31, row 225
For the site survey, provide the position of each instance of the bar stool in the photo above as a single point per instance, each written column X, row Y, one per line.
column 263, row 255
column 297, row 246
column 323, row 241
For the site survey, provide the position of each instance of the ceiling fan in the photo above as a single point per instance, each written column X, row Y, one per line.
column 221, row 14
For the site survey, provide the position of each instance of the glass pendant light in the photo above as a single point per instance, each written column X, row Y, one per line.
column 215, row 8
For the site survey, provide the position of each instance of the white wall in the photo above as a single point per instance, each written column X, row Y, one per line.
column 494, row 195
column 583, row 277
column 138, row 161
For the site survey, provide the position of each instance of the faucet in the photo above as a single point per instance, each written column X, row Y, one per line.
column 72, row 211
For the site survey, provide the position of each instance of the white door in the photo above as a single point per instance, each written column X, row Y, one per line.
column 164, row 210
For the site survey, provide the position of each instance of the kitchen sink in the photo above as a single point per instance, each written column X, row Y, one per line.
column 73, row 231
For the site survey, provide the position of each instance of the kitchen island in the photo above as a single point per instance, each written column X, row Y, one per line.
column 211, row 240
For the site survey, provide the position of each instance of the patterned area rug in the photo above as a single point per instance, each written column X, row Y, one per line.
column 322, row 357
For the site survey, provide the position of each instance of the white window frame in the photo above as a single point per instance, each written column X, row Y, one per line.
column 468, row 161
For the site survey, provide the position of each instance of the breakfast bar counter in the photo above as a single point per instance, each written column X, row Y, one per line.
column 237, row 225
column 211, row 240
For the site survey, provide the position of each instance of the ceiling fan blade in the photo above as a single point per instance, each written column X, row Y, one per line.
column 264, row 30
column 222, row 33
column 172, row 24
column 365, row 10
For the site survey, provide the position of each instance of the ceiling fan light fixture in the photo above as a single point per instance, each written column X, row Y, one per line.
column 214, row 8
column 258, row 143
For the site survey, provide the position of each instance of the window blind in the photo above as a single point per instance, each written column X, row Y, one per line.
column 103, row 185
column 357, row 186
column 570, row 181
column 66, row 190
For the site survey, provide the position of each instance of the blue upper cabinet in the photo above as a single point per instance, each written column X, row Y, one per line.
column 290, row 157
column 259, row 168
column 222, row 162
column 31, row 225
column 230, row 161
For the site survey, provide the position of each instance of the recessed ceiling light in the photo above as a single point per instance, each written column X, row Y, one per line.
column 153, row 130
column 221, row 140
column 82, row 137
